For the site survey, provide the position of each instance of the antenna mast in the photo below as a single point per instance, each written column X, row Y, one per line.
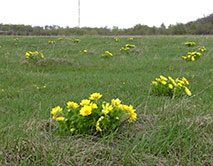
column 79, row 12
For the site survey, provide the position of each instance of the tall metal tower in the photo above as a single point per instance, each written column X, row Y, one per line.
column 79, row 14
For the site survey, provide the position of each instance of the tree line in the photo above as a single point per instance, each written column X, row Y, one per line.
column 200, row 26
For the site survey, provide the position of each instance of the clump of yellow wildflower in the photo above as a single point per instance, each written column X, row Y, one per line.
column 130, row 39
column 170, row 87
column 126, row 48
column 190, row 44
column 116, row 39
column 107, row 54
column 84, row 51
column 192, row 56
column 34, row 56
column 202, row 49
column 51, row 42
column 92, row 115
column 60, row 38
column 76, row 41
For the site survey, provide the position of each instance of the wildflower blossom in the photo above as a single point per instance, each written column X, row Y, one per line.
column 109, row 53
column 130, row 111
column 106, row 108
column 116, row 103
column 60, row 119
column 95, row 96
column 72, row 129
column 98, row 123
column 85, row 102
column 188, row 92
column 116, row 39
column 71, row 104
column 86, row 110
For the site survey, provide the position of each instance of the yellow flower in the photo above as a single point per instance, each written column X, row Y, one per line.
column 56, row 110
column 116, row 103
column 60, row 38
column 27, row 55
column 98, row 124
column 71, row 104
column 85, row 102
column 172, row 81
column 109, row 53
column 93, row 105
column 158, row 79
column 60, row 119
column 106, row 108
column 130, row 38
column 85, row 51
column 72, row 129
column 163, row 78
column 42, row 55
column 185, row 81
column 154, row 83
column 170, row 86
column 130, row 111
column 193, row 58
column 95, row 96
column 86, row 110
column 163, row 82
column 188, row 92
column 44, row 86
column 132, row 116
column 180, row 85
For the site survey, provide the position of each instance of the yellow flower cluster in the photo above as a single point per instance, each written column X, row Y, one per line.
column 60, row 38
column 202, row 49
column 130, row 39
column 51, row 42
column 190, row 44
column 127, row 47
column 169, row 86
column 93, row 114
column 76, row 41
column 107, row 54
column 116, row 39
column 33, row 55
column 192, row 56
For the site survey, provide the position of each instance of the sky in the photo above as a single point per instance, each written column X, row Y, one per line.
column 103, row 13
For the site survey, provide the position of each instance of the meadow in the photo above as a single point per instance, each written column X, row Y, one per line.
column 167, row 131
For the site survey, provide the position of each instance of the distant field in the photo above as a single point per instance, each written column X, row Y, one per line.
column 168, row 131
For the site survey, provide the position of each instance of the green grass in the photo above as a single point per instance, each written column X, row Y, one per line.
column 168, row 131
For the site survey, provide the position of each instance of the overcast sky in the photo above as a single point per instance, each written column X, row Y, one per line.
column 101, row 13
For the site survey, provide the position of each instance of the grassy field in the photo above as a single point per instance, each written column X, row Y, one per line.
column 168, row 131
